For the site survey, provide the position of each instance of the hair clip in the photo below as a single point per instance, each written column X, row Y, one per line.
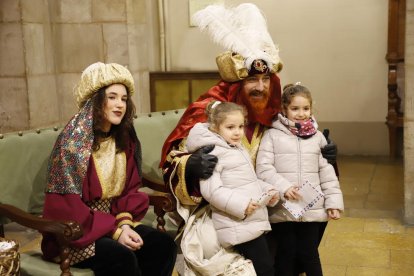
column 298, row 83
column 215, row 104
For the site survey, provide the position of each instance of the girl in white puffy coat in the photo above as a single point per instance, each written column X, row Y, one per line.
column 289, row 155
column 233, row 190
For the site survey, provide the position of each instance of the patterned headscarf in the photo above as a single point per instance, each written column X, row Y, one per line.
column 69, row 160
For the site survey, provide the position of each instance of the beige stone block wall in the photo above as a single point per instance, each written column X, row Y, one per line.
column 39, row 64
column 38, row 46
column 138, row 42
column 13, row 104
column 115, row 37
column 66, row 100
column 114, row 31
column 43, row 104
column 409, row 117
column 34, row 11
column 11, row 50
column 13, row 90
column 138, row 25
column 9, row 11
column 77, row 46
column 141, row 100
column 109, row 10
column 81, row 14
column 45, row 45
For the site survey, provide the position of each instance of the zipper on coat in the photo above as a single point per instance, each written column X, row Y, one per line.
column 299, row 163
column 300, row 170
column 248, row 159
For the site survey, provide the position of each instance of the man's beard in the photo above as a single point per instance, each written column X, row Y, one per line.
column 255, row 108
column 258, row 107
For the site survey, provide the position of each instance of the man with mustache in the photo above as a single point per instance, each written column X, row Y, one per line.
column 248, row 80
column 259, row 92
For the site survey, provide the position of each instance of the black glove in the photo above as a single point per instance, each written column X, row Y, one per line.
column 200, row 164
column 330, row 151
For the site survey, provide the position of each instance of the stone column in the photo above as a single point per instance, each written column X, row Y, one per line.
column 409, row 116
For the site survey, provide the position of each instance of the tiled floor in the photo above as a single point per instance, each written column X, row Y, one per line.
column 372, row 186
column 367, row 247
column 369, row 239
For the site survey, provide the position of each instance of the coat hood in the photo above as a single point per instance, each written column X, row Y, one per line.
column 200, row 135
column 279, row 126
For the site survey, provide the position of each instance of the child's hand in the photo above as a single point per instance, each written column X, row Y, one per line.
column 250, row 209
column 334, row 214
column 292, row 193
column 274, row 200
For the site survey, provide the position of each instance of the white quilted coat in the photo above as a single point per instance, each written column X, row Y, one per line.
column 285, row 160
column 231, row 187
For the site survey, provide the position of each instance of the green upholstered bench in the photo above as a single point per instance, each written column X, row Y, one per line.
column 23, row 162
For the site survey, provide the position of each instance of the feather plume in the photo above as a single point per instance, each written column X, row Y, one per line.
column 218, row 22
column 241, row 29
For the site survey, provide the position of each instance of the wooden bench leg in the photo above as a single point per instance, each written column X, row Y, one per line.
column 392, row 133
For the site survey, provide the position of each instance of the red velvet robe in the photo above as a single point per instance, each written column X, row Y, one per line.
column 95, row 224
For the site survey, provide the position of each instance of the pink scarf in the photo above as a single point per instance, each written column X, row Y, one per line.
column 304, row 129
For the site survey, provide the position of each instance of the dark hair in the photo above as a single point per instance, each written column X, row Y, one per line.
column 218, row 114
column 292, row 90
column 119, row 132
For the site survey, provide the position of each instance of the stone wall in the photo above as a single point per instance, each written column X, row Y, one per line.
column 13, row 85
column 409, row 116
column 45, row 45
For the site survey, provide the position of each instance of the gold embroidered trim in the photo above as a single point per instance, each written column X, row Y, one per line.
column 196, row 199
column 178, row 158
column 125, row 222
column 110, row 168
column 181, row 189
column 253, row 147
column 123, row 215
column 177, row 151
column 169, row 158
column 117, row 234
column 136, row 223
column 181, row 145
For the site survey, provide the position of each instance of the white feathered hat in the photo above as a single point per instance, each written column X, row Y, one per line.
column 242, row 31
